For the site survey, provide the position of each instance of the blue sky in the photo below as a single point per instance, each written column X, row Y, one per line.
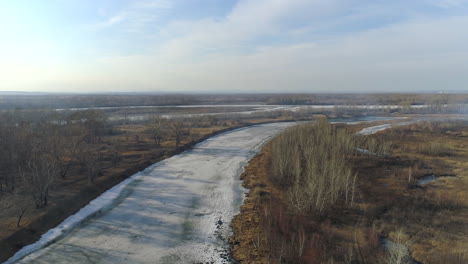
column 233, row 45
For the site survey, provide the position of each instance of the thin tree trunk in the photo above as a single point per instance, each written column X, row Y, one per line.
column 20, row 216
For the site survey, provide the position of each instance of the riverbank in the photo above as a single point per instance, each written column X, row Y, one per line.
column 246, row 225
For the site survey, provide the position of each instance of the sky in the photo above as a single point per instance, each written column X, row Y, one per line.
column 233, row 45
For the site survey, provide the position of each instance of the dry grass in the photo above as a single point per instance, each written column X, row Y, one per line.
column 435, row 149
column 388, row 200
column 435, row 216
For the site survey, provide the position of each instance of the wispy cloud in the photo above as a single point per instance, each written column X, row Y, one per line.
column 136, row 16
column 248, row 23
column 110, row 21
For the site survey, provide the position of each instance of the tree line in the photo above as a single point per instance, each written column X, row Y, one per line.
column 53, row 101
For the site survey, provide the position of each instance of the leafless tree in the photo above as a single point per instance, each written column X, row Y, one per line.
column 157, row 128
column 94, row 123
column 311, row 161
column 39, row 174
column 178, row 130
column 21, row 211
column 38, row 147
column 91, row 164
column 64, row 141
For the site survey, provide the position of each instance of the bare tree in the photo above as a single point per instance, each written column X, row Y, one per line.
column 39, row 174
column 311, row 161
column 157, row 128
column 178, row 130
column 94, row 123
column 91, row 164
column 64, row 143
column 21, row 211
column 37, row 147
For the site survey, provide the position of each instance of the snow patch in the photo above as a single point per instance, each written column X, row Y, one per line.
column 374, row 129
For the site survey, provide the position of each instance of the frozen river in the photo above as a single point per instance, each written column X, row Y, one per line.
column 176, row 211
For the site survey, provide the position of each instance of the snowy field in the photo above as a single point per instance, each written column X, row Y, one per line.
column 176, row 211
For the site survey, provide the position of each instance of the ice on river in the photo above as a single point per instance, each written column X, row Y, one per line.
column 177, row 211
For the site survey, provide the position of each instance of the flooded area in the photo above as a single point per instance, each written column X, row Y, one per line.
column 427, row 179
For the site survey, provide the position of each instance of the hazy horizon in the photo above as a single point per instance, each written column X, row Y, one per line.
column 234, row 46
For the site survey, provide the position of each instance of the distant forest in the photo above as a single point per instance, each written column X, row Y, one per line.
column 54, row 101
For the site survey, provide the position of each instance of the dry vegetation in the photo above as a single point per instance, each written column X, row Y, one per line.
column 318, row 200
column 54, row 163
column 392, row 220
column 434, row 215
column 309, row 188
column 311, row 162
